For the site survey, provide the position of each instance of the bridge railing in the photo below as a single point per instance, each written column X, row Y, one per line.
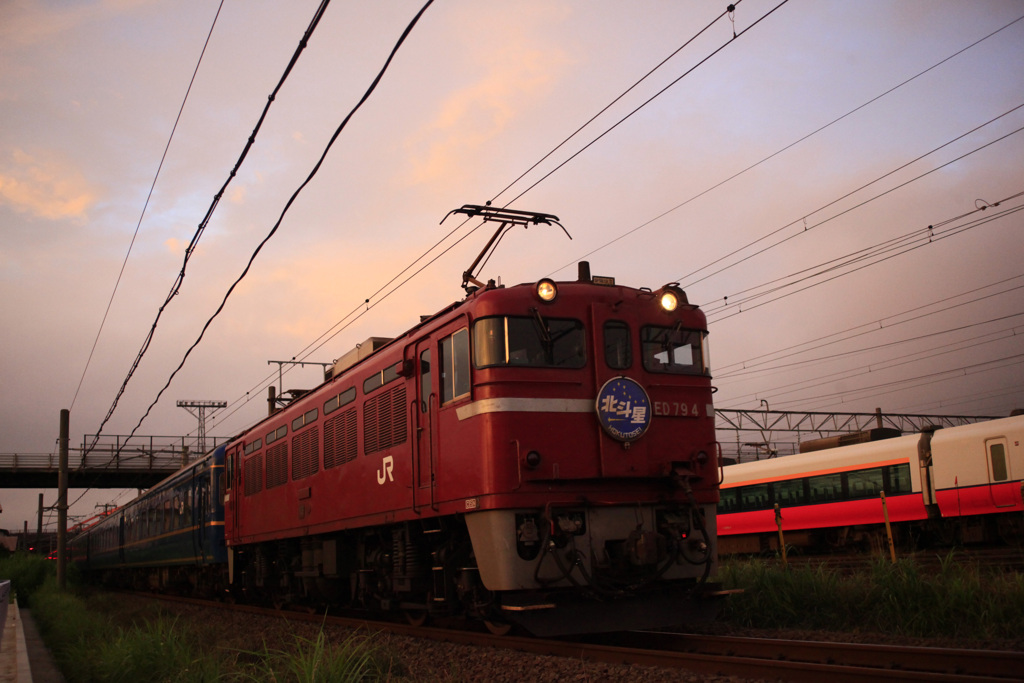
column 116, row 452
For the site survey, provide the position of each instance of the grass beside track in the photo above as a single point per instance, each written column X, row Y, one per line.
column 961, row 601
column 98, row 637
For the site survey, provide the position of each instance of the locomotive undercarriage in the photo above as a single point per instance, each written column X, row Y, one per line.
column 549, row 562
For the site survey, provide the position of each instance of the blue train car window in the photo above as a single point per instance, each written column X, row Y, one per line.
column 618, row 351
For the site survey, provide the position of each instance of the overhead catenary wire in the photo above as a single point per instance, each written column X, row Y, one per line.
column 288, row 205
column 280, row 219
column 921, row 243
column 913, row 382
column 789, row 387
column 145, row 206
column 176, row 286
column 887, row 322
column 646, row 102
column 784, row 149
column 800, row 221
column 922, row 238
column 375, row 298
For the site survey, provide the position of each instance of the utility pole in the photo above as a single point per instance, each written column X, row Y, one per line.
column 274, row 397
column 62, row 501
column 201, row 407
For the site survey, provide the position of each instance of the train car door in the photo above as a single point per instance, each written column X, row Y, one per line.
column 232, row 491
column 425, row 423
column 999, row 476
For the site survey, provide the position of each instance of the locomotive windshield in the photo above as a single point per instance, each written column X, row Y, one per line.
column 533, row 341
column 674, row 350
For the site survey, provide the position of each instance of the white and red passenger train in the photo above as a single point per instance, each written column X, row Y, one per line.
column 955, row 485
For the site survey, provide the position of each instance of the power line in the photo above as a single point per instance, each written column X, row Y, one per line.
column 646, row 102
column 783, row 149
column 209, row 214
column 288, row 204
column 608, row 106
column 878, row 365
column 849, row 194
column 365, row 306
column 920, row 239
column 882, row 323
column 145, row 205
column 922, row 380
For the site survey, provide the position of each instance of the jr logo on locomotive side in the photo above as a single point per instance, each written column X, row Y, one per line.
column 385, row 472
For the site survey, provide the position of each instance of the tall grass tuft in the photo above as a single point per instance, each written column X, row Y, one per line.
column 960, row 600
column 89, row 647
column 27, row 573
column 319, row 661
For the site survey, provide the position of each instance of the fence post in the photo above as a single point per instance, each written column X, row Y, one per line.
column 888, row 528
column 782, row 538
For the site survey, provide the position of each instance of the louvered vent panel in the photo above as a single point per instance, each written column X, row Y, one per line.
column 306, row 453
column 384, row 421
column 398, row 416
column 277, row 464
column 371, row 426
column 340, row 439
column 254, row 475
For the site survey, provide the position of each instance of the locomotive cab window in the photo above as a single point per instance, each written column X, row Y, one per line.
column 618, row 354
column 454, row 365
column 529, row 341
column 674, row 350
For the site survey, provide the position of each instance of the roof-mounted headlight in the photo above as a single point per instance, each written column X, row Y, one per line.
column 671, row 297
column 546, row 290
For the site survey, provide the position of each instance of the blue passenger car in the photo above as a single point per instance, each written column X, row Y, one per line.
column 171, row 535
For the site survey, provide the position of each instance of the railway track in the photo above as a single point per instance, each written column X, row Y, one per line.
column 795, row 660
column 753, row 658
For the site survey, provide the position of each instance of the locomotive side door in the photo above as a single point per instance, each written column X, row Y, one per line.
column 425, row 422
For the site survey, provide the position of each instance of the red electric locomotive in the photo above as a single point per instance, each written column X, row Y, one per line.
column 541, row 454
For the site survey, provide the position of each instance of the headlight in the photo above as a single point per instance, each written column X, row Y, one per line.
column 546, row 290
column 672, row 296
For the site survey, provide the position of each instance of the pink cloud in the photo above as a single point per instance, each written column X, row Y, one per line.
column 46, row 188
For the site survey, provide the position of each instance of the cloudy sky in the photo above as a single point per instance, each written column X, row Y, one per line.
column 786, row 177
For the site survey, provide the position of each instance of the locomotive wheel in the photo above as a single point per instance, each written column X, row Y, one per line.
column 416, row 617
column 498, row 628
